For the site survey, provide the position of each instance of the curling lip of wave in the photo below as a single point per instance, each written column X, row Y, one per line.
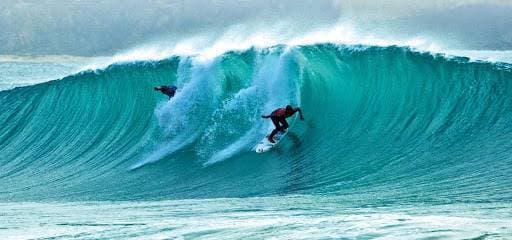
column 242, row 38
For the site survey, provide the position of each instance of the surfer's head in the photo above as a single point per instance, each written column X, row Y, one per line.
column 289, row 109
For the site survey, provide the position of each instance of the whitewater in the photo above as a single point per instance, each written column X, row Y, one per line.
column 396, row 143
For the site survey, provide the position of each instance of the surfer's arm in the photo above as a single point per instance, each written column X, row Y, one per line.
column 300, row 113
column 268, row 116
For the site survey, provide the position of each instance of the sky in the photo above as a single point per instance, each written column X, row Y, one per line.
column 103, row 28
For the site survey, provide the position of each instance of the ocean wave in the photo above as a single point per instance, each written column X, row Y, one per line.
column 387, row 121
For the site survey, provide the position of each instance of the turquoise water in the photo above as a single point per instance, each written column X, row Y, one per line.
column 388, row 131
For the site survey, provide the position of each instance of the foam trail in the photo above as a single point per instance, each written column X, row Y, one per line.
column 181, row 116
column 273, row 85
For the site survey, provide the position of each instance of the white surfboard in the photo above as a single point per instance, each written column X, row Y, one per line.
column 264, row 145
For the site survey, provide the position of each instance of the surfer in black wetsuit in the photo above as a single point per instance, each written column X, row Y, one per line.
column 279, row 116
column 167, row 90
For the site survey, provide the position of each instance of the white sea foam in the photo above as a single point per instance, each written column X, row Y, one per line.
column 205, row 47
column 241, row 37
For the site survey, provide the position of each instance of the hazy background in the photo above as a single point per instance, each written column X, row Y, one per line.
column 95, row 28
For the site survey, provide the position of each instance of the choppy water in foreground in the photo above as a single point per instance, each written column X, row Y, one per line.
column 290, row 217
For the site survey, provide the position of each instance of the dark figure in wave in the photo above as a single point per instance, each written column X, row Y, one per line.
column 167, row 90
column 278, row 117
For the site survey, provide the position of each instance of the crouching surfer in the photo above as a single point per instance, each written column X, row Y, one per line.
column 279, row 116
column 167, row 90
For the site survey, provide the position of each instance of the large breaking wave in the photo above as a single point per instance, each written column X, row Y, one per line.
column 381, row 123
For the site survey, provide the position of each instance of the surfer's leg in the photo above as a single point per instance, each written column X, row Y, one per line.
column 271, row 136
column 275, row 121
column 278, row 128
column 284, row 124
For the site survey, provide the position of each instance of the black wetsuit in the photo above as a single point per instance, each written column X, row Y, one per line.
column 167, row 90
